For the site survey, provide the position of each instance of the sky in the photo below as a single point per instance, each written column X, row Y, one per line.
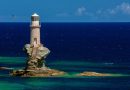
column 65, row 10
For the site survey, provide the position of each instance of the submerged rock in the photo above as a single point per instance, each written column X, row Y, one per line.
column 5, row 68
column 93, row 74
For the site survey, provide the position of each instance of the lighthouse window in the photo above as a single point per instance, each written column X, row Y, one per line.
column 35, row 18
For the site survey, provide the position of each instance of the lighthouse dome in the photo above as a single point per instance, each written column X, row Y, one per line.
column 35, row 14
column 35, row 17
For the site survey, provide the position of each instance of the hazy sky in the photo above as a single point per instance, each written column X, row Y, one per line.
column 65, row 10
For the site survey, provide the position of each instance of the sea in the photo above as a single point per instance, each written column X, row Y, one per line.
column 102, row 47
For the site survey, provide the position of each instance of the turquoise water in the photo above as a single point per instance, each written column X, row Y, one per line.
column 75, row 48
column 119, row 80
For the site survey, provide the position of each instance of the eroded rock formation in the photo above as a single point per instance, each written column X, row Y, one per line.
column 35, row 66
column 36, row 57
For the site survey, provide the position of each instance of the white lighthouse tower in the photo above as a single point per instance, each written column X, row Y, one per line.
column 35, row 30
column 37, row 53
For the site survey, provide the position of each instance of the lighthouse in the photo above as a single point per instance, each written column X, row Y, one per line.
column 35, row 30
column 35, row 50
column 37, row 53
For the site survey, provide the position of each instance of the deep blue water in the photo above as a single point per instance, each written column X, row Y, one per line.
column 96, row 42
column 75, row 48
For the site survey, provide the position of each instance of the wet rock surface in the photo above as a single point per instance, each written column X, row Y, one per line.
column 93, row 74
column 38, row 73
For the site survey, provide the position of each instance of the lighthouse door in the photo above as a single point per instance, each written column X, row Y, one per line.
column 35, row 42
